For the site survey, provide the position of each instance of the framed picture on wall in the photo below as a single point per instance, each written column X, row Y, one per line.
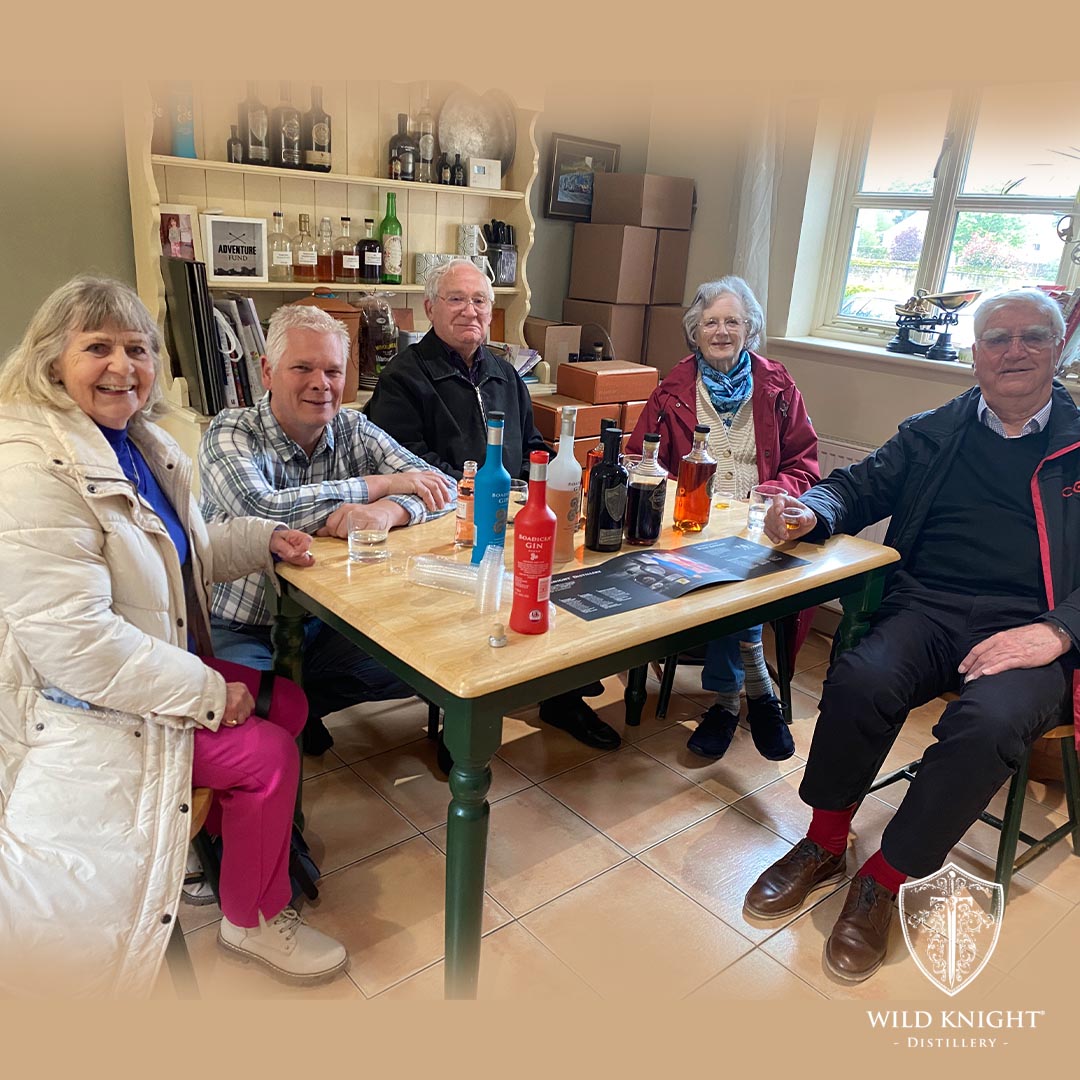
column 572, row 164
column 235, row 249
column 179, row 228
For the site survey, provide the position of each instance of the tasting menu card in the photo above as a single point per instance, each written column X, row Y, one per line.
column 650, row 576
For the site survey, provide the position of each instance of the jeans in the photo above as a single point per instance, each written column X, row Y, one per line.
column 723, row 670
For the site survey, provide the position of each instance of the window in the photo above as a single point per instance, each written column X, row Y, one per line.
column 951, row 191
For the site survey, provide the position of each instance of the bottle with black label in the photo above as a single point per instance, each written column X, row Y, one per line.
column 457, row 172
column 606, row 512
column 253, row 128
column 285, row 132
column 315, row 134
column 405, row 149
column 370, row 252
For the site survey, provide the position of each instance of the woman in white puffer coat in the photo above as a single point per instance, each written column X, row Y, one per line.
column 108, row 713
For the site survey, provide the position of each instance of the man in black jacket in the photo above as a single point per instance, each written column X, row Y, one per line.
column 985, row 601
column 434, row 398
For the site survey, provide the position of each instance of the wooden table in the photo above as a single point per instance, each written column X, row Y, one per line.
column 435, row 641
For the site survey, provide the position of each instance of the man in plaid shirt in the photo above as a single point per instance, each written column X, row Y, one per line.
column 297, row 457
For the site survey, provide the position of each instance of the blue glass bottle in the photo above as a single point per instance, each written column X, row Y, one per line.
column 491, row 494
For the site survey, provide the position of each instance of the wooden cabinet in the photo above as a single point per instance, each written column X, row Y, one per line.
column 364, row 115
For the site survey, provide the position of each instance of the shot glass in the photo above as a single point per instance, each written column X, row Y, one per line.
column 792, row 518
column 366, row 545
column 761, row 498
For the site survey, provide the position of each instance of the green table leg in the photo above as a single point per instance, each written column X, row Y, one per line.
column 634, row 697
column 287, row 637
column 472, row 741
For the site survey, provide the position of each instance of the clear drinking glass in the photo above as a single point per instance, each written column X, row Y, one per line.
column 761, row 498
column 365, row 543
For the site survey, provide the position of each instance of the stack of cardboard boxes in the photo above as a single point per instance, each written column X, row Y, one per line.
column 628, row 272
column 607, row 390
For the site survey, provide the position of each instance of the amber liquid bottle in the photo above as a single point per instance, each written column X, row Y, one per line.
column 463, row 526
column 693, row 497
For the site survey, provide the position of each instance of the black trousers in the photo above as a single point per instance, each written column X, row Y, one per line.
column 910, row 656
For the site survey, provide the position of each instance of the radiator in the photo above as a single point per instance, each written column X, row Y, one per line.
column 834, row 454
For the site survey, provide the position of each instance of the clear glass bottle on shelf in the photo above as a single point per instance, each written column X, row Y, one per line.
column 369, row 251
column 285, row 132
column 390, row 237
column 693, row 497
column 404, row 148
column 315, row 135
column 346, row 260
column 325, row 246
column 646, row 493
column 425, row 140
column 305, row 252
column 234, row 148
column 279, row 251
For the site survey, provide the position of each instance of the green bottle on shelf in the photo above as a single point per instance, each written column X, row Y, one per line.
column 390, row 235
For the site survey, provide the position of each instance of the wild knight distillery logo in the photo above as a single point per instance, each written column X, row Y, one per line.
column 951, row 921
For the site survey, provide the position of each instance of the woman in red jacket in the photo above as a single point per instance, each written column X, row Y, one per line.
column 759, row 432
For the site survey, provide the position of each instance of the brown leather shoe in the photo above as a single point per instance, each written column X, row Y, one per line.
column 784, row 887
column 857, row 944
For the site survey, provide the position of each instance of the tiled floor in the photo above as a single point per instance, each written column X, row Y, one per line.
column 613, row 874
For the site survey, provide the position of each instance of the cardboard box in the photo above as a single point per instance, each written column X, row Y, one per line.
column 612, row 263
column 547, row 414
column 624, row 324
column 631, row 412
column 665, row 342
column 656, row 202
column 552, row 340
column 607, row 381
column 669, row 266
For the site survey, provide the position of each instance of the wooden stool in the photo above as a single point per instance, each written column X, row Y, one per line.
column 1009, row 825
column 176, row 953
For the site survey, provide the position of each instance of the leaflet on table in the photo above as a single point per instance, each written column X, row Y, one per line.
column 650, row 576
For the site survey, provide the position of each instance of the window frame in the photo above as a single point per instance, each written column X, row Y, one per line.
column 942, row 204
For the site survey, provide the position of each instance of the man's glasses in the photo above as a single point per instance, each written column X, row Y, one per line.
column 1034, row 339
column 732, row 324
column 456, row 302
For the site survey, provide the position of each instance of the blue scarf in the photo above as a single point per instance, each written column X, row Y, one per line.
column 727, row 390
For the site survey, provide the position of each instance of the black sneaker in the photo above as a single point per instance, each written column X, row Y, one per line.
column 769, row 729
column 714, row 734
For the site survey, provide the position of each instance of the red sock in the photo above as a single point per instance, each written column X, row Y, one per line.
column 884, row 874
column 829, row 828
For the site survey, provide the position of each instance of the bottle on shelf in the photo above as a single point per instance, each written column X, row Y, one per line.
column 593, row 457
column 645, row 495
column 606, row 513
column 279, row 250
column 325, row 247
column 369, row 252
column 564, row 487
column 463, row 526
column 315, row 135
column 254, row 128
column 425, row 141
column 693, row 496
column 534, row 550
column 346, row 260
column 491, row 492
column 393, row 255
column 285, row 132
column 457, row 172
column 305, row 252
column 234, row 148
column 598, row 350
column 182, row 108
column 444, row 170
column 404, row 148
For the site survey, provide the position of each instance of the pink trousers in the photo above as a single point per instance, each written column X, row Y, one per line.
column 253, row 770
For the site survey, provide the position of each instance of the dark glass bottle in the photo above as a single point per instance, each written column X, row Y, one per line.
column 254, row 128
column 606, row 512
column 370, row 251
column 444, row 170
column 285, row 132
column 405, row 148
column 593, row 457
column 234, row 148
column 646, row 495
column 457, row 172
column 315, row 134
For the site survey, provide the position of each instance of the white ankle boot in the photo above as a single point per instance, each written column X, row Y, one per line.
column 287, row 945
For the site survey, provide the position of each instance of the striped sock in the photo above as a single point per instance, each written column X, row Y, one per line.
column 729, row 701
column 758, row 683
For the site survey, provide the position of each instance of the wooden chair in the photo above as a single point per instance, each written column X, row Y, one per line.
column 176, row 954
column 1009, row 825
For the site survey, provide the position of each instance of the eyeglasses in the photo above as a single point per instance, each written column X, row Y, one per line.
column 1034, row 339
column 455, row 302
column 732, row 324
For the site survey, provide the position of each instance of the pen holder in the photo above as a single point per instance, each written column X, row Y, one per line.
column 503, row 259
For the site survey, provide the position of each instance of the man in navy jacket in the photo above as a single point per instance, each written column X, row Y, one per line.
column 984, row 494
